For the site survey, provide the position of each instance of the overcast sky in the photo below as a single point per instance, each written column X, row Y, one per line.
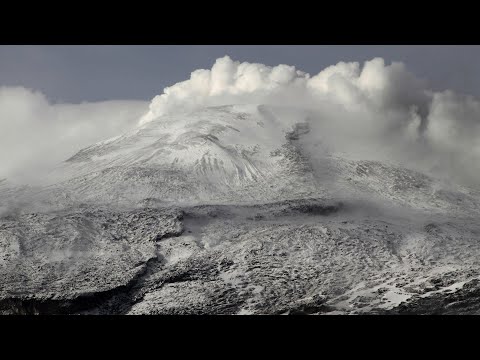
column 92, row 73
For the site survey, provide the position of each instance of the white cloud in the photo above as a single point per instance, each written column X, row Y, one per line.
column 229, row 81
column 372, row 110
column 376, row 110
column 35, row 134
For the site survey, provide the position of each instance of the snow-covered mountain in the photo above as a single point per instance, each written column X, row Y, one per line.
column 228, row 153
column 235, row 209
column 235, row 154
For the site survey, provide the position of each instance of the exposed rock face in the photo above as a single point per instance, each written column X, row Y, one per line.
column 58, row 262
column 225, row 212
column 293, row 257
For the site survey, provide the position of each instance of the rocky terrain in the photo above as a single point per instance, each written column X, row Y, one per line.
column 225, row 211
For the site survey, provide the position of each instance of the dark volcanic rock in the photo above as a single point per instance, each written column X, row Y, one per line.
column 73, row 259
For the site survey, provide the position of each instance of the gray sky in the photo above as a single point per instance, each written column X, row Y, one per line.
column 91, row 73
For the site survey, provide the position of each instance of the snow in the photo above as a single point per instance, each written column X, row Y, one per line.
column 395, row 296
column 268, row 223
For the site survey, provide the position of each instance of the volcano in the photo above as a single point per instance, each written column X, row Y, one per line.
column 236, row 209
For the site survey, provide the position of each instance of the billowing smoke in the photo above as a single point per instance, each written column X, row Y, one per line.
column 35, row 134
column 375, row 86
column 375, row 111
column 372, row 111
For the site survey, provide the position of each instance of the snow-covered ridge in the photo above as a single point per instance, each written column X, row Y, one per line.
column 238, row 153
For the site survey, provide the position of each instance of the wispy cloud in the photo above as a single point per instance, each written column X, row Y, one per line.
column 35, row 134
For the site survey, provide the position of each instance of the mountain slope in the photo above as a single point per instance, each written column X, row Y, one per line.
column 235, row 209
column 234, row 154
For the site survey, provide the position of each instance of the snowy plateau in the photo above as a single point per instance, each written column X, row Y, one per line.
column 225, row 210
